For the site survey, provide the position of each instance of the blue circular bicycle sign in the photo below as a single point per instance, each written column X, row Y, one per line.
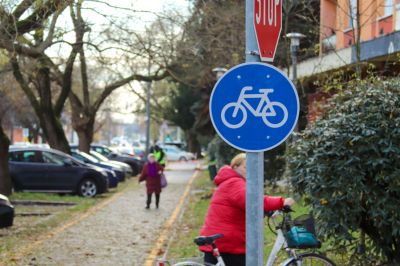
column 254, row 107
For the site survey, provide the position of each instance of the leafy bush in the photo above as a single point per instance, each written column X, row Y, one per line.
column 347, row 164
column 221, row 151
column 274, row 162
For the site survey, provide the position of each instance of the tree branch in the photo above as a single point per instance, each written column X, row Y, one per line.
column 21, row 8
column 110, row 88
column 21, row 81
column 80, row 31
column 36, row 19
column 66, row 81
column 11, row 47
column 49, row 40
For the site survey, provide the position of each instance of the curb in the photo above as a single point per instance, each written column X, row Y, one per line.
column 154, row 253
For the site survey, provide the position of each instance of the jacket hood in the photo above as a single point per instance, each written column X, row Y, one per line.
column 225, row 173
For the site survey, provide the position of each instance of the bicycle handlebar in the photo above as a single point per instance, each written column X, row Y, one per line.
column 285, row 209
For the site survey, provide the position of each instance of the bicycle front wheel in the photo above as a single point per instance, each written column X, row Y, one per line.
column 309, row 259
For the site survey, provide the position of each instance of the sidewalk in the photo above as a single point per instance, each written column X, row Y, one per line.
column 121, row 233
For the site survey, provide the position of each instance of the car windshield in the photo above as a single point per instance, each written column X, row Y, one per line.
column 89, row 157
column 98, row 156
column 107, row 151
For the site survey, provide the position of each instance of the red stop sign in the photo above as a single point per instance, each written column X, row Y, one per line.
column 268, row 26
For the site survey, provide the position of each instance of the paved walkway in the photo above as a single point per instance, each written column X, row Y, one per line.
column 121, row 233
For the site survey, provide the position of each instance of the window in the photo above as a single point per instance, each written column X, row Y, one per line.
column 24, row 156
column 352, row 13
column 388, row 7
column 53, row 158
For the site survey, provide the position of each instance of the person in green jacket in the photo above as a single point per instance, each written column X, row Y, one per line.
column 159, row 154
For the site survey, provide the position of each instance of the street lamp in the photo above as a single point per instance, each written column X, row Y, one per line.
column 294, row 47
column 212, row 166
column 219, row 71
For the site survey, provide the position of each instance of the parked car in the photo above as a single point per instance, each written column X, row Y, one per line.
column 125, row 149
column 6, row 212
column 127, row 169
column 134, row 162
column 175, row 154
column 113, row 173
column 140, row 152
column 28, row 144
column 48, row 170
column 109, row 164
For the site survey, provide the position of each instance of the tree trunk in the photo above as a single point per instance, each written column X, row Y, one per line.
column 85, row 134
column 5, row 179
column 83, row 124
column 193, row 143
column 53, row 132
column 49, row 121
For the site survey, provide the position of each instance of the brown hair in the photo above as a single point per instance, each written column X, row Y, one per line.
column 238, row 160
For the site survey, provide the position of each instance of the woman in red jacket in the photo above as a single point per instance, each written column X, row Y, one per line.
column 227, row 213
column 151, row 173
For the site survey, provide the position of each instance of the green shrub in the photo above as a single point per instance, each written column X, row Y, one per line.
column 348, row 165
column 274, row 162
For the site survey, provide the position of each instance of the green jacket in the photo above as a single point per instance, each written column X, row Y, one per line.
column 160, row 157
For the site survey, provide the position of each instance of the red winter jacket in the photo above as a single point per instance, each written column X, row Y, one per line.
column 227, row 212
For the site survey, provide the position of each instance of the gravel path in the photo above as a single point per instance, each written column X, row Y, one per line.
column 121, row 233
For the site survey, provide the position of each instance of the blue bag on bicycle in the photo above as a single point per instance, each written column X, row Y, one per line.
column 299, row 237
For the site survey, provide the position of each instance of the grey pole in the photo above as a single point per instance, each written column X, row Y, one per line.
column 293, row 51
column 255, row 169
column 148, row 94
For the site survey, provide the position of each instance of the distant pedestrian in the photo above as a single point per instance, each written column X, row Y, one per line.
column 159, row 154
column 151, row 173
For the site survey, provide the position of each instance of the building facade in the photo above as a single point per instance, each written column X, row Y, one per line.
column 339, row 21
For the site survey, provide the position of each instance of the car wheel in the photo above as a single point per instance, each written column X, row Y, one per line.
column 87, row 188
column 183, row 158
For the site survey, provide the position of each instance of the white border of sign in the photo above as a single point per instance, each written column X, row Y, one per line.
column 266, row 59
column 295, row 92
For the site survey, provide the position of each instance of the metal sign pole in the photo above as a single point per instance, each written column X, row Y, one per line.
column 255, row 169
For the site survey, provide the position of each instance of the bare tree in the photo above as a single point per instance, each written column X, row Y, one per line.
column 48, row 81
column 27, row 31
column 132, row 50
column 5, row 180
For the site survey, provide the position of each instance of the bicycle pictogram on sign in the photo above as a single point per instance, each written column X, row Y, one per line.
column 254, row 107
column 265, row 109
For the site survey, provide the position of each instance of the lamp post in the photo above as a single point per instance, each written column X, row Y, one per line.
column 212, row 166
column 219, row 71
column 148, row 112
column 294, row 47
column 148, row 117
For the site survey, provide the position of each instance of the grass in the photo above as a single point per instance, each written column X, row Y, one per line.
column 188, row 228
column 192, row 220
column 27, row 230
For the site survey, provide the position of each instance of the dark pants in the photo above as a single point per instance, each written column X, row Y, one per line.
column 149, row 200
column 229, row 259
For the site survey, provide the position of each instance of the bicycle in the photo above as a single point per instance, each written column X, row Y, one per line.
column 283, row 240
column 265, row 109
